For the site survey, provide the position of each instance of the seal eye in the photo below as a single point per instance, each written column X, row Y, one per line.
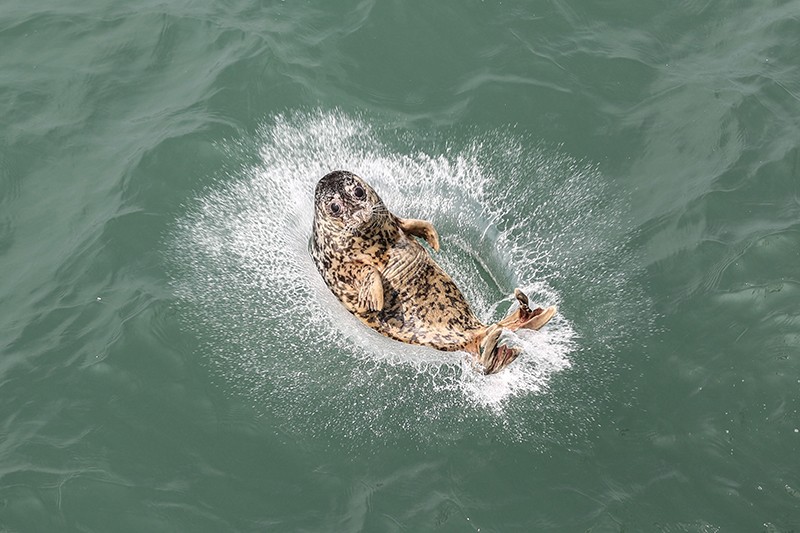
column 359, row 192
column 335, row 208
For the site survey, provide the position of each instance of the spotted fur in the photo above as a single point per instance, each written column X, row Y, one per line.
column 373, row 264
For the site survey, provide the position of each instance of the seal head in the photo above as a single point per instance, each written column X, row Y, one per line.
column 344, row 203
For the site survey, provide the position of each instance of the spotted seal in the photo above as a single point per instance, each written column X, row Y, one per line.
column 371, row 261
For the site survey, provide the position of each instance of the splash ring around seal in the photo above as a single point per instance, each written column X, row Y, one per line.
column 509, row 213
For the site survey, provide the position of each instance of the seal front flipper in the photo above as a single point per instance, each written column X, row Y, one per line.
column 370, row 290
column 422, row 229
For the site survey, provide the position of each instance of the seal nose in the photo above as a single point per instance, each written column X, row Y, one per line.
column 363, row 214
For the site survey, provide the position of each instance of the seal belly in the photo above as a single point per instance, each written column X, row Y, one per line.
column 422, row 304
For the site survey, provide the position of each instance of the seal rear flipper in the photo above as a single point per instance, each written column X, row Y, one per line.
column 422, row 229
column 539, row 319
column 370, row 291
column 493, row 356
column 526, row 318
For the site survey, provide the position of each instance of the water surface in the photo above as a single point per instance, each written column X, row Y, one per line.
column 171, row 361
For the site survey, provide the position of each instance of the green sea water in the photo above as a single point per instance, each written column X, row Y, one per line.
column 170, row 360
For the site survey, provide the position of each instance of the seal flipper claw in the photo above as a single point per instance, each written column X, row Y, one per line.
column 370, row 292
column 422, row 229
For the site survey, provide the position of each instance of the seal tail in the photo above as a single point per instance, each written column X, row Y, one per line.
column 493, row 355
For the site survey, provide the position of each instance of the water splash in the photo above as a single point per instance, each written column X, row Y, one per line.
column 508, row 215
